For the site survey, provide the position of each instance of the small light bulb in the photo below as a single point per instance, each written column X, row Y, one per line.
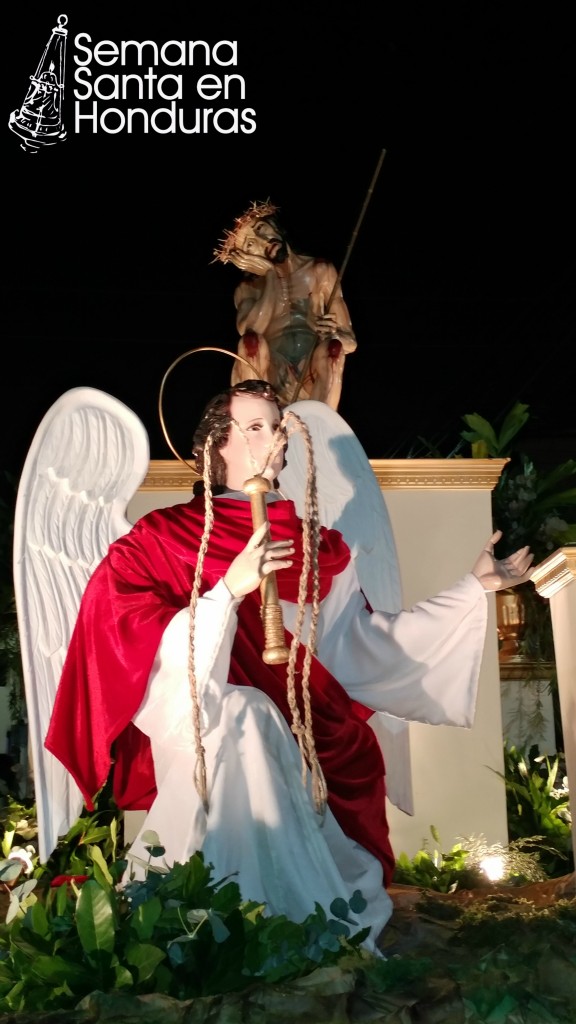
column 493, row 867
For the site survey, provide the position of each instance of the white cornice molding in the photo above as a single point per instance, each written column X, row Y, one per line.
column 555, row 572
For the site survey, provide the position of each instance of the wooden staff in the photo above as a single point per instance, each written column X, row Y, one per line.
column 355, row 232
column 275, row 651
column 339, row 276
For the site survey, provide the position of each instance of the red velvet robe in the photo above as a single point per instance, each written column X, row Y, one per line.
column 147, row 577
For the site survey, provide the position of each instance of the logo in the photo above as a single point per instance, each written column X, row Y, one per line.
column 38, row 122
column 148, row 98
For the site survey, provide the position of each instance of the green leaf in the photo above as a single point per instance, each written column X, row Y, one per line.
column 483, row 437
column 23, row 951
column 56, row 970
column 150, row 838
column 145, row 918
column 152, row 843
column 479, row 449
column 219, row 930
column 102, row 873
column 339, row 907
column 38, row 920
column 8, row 837
column 333, row 928
column 21, row 897
column 553, row 502
column 480, row 430
column 357, row 902
column 10, row 869
column 62, row 900
column 6, row 974
column 559, row 474
column 145, row 958
column 513, row 423
column 95, row 918
column 122, row 977
column 13, row 999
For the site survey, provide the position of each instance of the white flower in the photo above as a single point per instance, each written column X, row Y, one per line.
column 25, row 855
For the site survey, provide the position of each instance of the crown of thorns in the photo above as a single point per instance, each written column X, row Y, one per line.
column 256, row 211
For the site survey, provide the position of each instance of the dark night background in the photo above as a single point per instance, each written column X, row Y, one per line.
column 461, row 280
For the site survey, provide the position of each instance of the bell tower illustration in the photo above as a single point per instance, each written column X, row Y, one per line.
column 38, row 122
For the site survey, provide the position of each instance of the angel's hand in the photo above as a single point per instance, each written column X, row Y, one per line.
column 495, row 574
column 260, row 557
column 250, row 262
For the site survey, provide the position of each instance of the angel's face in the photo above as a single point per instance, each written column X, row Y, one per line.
column 254, row 432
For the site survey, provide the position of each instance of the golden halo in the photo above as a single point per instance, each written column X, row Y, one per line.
column 191, row 352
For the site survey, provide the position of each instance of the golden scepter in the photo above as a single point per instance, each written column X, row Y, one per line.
column 275, row 651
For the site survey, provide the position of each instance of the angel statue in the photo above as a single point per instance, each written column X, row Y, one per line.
column 144, row 646
column 294, row 325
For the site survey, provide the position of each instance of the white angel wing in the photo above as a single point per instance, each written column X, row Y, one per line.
column 350, row 500
column 88, row 457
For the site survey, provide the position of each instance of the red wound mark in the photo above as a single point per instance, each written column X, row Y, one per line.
column 250, row 340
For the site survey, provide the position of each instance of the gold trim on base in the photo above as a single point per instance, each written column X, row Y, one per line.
column 438, row 474
column 521, row 669
column 168, row 475
column 391, row 474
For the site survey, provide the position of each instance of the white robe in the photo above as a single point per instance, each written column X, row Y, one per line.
column 420, row 665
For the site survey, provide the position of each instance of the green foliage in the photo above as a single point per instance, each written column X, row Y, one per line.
column 538, row 808
column 526, row 858
column 529, row 507
column 440, row 872
column 482, row 436
column 97, row 833
column 534, row 508
column 177, row 933
column 539, row 829
column 99, row 830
